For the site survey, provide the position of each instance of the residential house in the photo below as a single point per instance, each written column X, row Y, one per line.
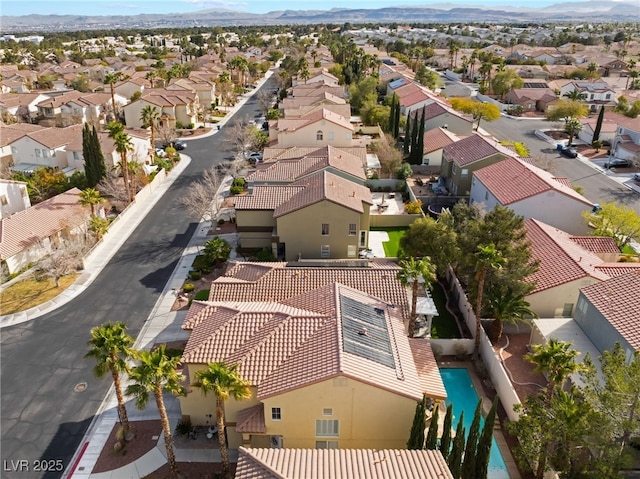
column 14, row 197
column 626, row 143
column 128, row 87
column 531, row 99
column 311, row 342
column 205, row 89
column 323, row 98
column 596, row 94
column 608, row 129
column 610, row 66
column 89, row 108
column 319, row 128
column 21, row 106
column 342, row 109
column 609, row 312
column 267, row 463
column 44, row 147
column 11, row 133
column 530, row 192
column 321, row 215
column 434, row 142
column 439, row 115
column 567, row 263
column 174, row 106
column 50, row 109
column 316, row 89
column 462, row 158
column 272, row 154
column 29, row 235
column 322, row 75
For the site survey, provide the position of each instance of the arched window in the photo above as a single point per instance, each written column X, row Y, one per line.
column 319, row 135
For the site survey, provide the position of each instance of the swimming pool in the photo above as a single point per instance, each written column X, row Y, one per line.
column 463, row 396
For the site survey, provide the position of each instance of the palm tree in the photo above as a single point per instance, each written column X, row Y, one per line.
column 123, row 146
column 112, row 348
column 111, row 79
column 572, row 127
column 156, row 374
column 631, row 67
column 223, row 381
column 592, row 69
column 90, row 197
column 557, row 362
column 508, row 307
column 411, row 271
column 575, row 95
column 99, row 226
column 149, row 116
column 487, row 257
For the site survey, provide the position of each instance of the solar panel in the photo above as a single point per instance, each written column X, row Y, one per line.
column 365, row 332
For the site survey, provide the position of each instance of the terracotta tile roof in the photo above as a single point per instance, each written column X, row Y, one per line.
column 25, row 228
column 56, row 137
column 597, row 244
column 95, row 99
column 428, row 371
column 438, row 138
column 273, row 154
column 283, row 348
column 15, row 131
column 617, row 269
column 513, row 180
column 436, row 109
column 314, row 117
column 471, row 149
column 617, row 301
column 321, row 186
column 341, row 464
column 291, row 170
column 317, row 89
column 561, row 259
column 413, row 99
column 267, row 197
column 251, row 420
column 58, row 100
column 9, row 100
column 164, row 97
column 305, row 110
column 323, row 97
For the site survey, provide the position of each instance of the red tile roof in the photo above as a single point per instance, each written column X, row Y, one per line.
column 617, row 301
column 286, row 124
column 513, row 180
column 341, row 464
column 251, row 420
column 597, row 244
column 438, row 138
column 325, row 186
column 274, row 153
column 471, row 149
column 56, row 137
column 25, row 228
column 266, row 197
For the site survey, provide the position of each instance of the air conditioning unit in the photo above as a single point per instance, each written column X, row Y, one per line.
column 276, row 442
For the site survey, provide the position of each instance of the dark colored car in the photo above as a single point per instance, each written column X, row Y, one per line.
column 619, row 163
column 569, row 152
column 178, row 145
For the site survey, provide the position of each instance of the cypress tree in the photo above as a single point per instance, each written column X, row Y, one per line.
column 396, row 119
column 469, row 462
column 416, row 436
column 407, row 136
column 86, row 153
column 445, row 440
column 596, row 132
column 484, row 443
column 414, row 140
column 420, row 141
column 94, row 165
column 432, row 434
column 454, row 459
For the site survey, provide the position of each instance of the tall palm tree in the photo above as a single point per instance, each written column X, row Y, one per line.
column 156, row 374
column 508, row 307
column 112, row 348
column 575, row 95
column 90, row 197
column 592, row 69
column 411, row 271
column 557, row 362
column 149, row 116
column 123, row 146
column 572, row 127
column 223, row 381
column 111, row 79
column 487, row 257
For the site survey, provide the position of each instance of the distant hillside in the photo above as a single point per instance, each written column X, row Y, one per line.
column 592, row 11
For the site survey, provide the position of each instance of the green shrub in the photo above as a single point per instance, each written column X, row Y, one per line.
column 164, row 163
column 195, row 275
column 201, row 263
column 236, row 190
column 221, row 221
column 183, row 428
column 179, row 125
column 202, row 295
column 190, row 126
column 188, row 287
column 265, row 255
column 239, row 182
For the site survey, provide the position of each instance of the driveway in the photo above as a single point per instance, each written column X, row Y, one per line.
column 48, row 393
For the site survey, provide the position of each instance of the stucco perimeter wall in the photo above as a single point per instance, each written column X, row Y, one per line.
column 392, row 221
column 369, row 417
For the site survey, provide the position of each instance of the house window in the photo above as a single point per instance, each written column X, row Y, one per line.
column 327, row 411
column 76, row 155
column 276, row 414
column 46, row 153
column 325, row 251
column 351, row 251
column 567, row 310
column 352, row 229
column 608, row 96
column 363, row 239
column 319, row 135
column 326, row 444
column 38, row 153
column 486, row 196
column 465, row 172
column 325, row 229
column 327, row 427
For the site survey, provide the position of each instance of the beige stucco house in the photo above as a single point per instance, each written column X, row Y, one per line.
column 438, row 115
column 319, row 128
column 172, row 105
column 311, row 342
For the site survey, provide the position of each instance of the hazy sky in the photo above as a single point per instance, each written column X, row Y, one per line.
column 134, row 7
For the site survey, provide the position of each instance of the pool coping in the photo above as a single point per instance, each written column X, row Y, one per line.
column 509, row 460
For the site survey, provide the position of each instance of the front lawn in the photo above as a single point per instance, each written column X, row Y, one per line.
column 392, row 247
column 29, row 293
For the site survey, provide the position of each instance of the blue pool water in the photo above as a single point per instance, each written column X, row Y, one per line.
column 463, row 396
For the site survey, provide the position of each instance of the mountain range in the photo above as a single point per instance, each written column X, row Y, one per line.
column 587, row 11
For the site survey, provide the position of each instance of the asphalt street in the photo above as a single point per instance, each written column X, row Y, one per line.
column 47, row 390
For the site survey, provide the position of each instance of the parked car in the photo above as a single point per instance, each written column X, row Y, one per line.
column 178, row 145
column 619, row 163
column 254, row 157
column 160, row 153
column 569, row 152
column 636, row 177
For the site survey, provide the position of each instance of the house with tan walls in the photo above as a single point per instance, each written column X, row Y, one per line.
column 205, row 89
column 274, row 153
column 438, row 115
column 344, row 110
column 566, row 264
column 462, row 158
column 44, row 147
column 316, row 89
column 312, row 342
column 172, row 105
column 319, row 216
column 532, row 193
column 89, row 108
column 434, row 142
column 128, row 87
column 320, row 76
column 320, row 128
column 323, row 98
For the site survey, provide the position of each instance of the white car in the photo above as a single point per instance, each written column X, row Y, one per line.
column 160, row 153
column 254, row 156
